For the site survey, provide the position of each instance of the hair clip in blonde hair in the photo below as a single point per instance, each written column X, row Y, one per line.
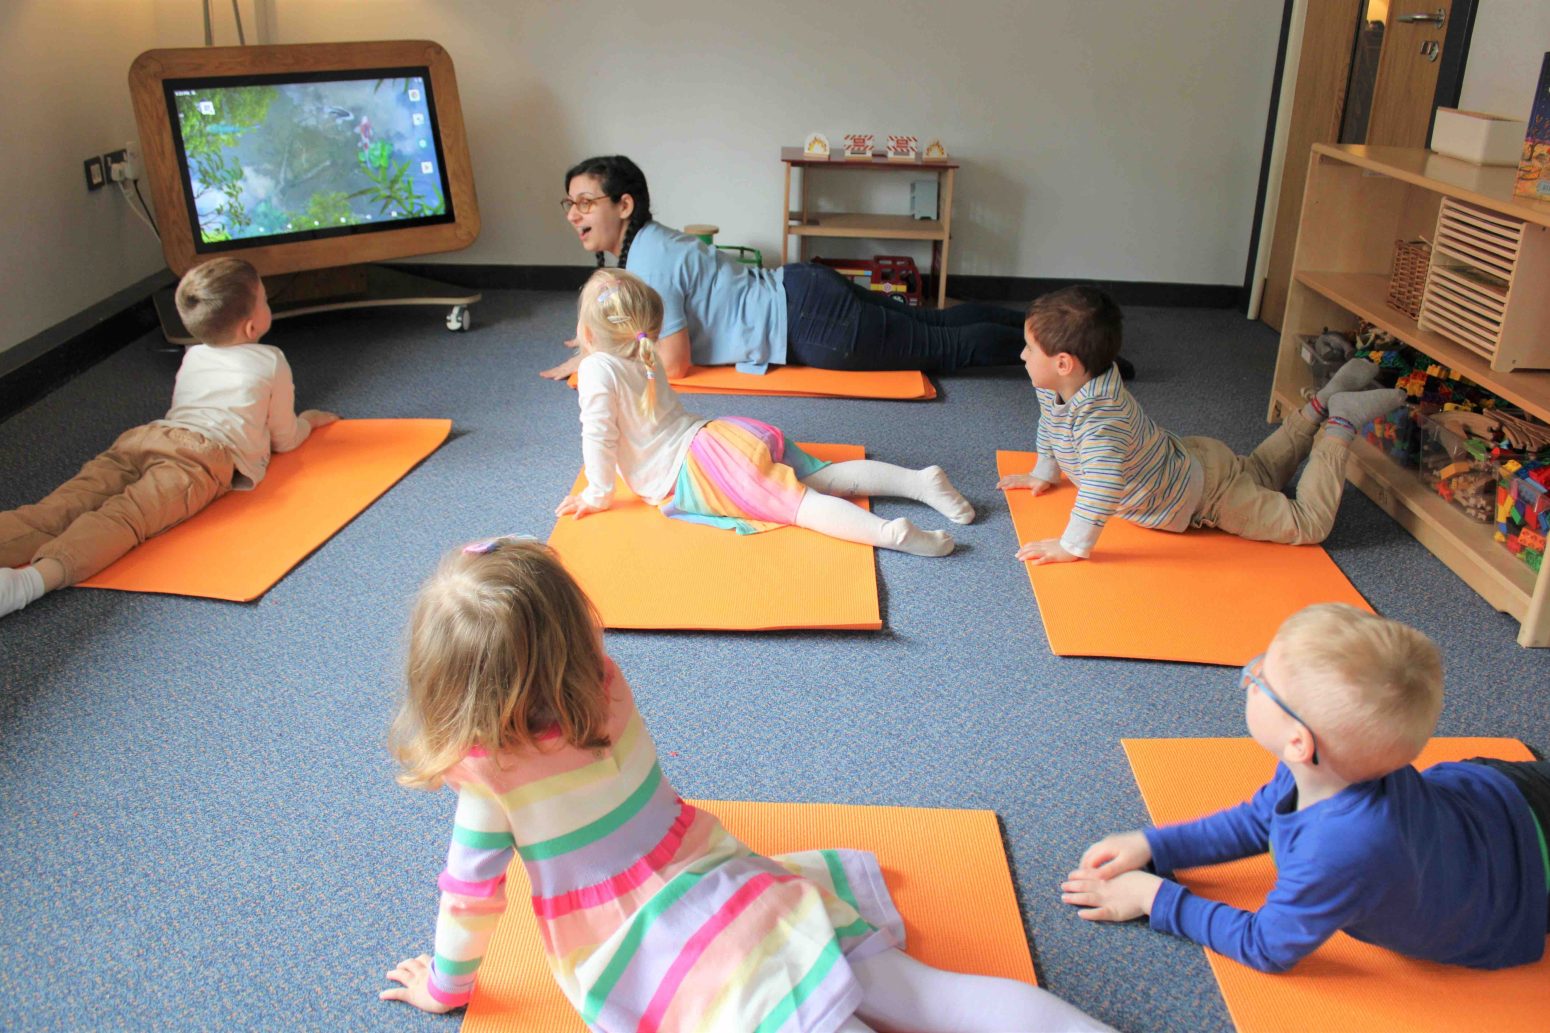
column 489, row 545
column 643, row 336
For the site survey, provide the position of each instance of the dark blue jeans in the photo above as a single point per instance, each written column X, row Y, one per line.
column 833, row 323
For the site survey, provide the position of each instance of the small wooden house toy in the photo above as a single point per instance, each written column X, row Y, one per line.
column 903, row 148
column 817, row 146
column 858, row 145
column 935, row 151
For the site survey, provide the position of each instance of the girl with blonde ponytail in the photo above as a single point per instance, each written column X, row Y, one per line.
column 736, row 473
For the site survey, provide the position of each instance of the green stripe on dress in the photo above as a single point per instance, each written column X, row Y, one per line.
column 482, row 840
column 845, row 892
column 602, row 827
column 597, row 995
column 803, row 990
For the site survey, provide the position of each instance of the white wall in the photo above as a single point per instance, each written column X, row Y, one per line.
column 1100, row 138
column 1506, row 51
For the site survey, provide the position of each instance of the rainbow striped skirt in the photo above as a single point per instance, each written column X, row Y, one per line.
column 742, row 474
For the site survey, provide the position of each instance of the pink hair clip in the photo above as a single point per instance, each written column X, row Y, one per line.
column 643, row 336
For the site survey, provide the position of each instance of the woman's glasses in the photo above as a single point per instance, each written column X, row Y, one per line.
column 584, row 205
column 1252, row 675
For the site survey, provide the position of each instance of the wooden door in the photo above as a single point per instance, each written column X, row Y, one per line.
column 1399, row 113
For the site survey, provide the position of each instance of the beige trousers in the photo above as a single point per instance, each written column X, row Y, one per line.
column 151, row 479
column 1242, row 494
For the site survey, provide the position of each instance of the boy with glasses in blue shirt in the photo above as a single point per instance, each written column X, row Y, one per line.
column 1446, row 865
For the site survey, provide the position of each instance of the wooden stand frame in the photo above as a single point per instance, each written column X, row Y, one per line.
column 804, row 223
column 1358, row 201
column 149, row 71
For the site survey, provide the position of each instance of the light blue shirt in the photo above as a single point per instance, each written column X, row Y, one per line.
column 735, row 314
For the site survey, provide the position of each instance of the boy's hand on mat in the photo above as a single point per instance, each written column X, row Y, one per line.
column 1118, row 899
column 563, row 370
column 578, row 507
column 1024, row 480
column 1049, row 550
column 318, row 418
column 1116, row 854
column 415, row 974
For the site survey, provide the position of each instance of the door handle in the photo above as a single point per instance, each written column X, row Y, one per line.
column 1437, row 19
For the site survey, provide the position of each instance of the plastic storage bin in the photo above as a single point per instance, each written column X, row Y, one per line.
column 1397, row 435
column 1459, row 466
column 1523, row 510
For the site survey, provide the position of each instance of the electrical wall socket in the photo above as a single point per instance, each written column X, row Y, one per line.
column 117, row 164
column 95, row 180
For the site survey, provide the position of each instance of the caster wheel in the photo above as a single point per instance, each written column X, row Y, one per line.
column 459, row 319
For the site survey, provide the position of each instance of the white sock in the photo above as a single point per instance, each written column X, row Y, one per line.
column 870, row 477
column 18, row 587
column 847, row 521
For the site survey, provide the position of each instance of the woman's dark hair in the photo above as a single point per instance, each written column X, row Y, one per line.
column 619, row 176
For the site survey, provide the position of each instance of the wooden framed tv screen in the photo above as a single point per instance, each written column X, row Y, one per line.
column 305, row 156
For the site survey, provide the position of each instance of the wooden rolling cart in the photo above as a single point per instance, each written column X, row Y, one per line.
column 1359, row 201
column 804, row 223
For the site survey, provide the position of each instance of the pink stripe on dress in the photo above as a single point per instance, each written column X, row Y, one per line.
column 651, row 1018
column 637, row 873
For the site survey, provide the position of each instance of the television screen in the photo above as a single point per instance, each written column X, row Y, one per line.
column 273, row 158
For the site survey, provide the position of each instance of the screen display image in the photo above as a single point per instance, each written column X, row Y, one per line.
column 266, row 159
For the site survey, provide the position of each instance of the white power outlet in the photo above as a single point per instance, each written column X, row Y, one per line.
column 131, row 160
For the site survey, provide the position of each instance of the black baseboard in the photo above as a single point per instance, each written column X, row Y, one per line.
column 43, row 362
column 1124, row 292
column 502, row 277
column 967, row 288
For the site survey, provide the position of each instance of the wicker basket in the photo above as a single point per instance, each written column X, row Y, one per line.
column 1408, row 280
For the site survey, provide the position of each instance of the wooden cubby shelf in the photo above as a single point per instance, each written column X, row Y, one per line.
column 1358, row 202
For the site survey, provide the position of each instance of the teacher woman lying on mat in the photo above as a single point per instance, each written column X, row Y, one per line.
column 719, row 312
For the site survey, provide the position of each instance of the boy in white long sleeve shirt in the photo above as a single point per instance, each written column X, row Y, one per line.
column 232, row 405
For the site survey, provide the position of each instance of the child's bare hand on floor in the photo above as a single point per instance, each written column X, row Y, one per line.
column 1048, row 550
column 1119, row 899
column 415, row 974
column 563, row 370
column 1117, row 854
column 1024, row 480
column 318, row 418
column 578, row 507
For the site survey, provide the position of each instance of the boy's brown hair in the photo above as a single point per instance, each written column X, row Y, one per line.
column 1081, row 321
column 215, row 297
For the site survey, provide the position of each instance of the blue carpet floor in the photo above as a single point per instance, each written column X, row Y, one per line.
column 201, row 828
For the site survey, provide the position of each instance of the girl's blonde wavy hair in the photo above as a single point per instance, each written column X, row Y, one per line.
column 623, row 317
column 503, row 646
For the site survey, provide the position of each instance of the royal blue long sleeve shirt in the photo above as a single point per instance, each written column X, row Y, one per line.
column 1443, row 865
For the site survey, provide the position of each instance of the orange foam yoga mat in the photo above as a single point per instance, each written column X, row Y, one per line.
column 245, row 541
column 946, row 871
column 805, row 382
column 645, row 570
column 1345, row 984
column 1202, row 597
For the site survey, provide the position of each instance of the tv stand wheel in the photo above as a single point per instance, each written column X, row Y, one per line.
column 460, row 318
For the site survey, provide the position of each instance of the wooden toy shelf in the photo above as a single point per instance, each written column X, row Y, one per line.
column 804, row 223
column 1360, row 200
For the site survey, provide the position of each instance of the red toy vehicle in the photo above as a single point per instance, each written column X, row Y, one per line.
column 893, row 275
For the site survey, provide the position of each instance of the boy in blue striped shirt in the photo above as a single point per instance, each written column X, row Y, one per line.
column 1123, row 464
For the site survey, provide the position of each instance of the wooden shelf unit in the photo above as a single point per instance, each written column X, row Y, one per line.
column 804, row 223
column 1359, row 200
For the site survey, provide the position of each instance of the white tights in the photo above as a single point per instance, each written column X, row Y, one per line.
column 820, row 509
column 903, row 994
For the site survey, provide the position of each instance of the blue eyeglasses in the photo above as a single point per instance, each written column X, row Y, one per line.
column 1252, row 677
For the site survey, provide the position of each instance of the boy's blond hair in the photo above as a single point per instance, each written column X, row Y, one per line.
column 623, row 315
column 216, row 297
column 1370, row 688
column 503, row 646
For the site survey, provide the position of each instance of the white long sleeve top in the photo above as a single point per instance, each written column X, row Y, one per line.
column 241, row 396
column 618, row 440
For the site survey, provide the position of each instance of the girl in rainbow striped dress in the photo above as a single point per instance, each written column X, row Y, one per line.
column 734, row 472
column 651, row 915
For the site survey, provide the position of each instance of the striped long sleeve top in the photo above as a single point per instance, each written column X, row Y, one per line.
column 652, row 915
column 1122, row 463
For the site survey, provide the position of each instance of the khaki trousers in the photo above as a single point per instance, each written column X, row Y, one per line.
column 1242, row 494
column 151, row 479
